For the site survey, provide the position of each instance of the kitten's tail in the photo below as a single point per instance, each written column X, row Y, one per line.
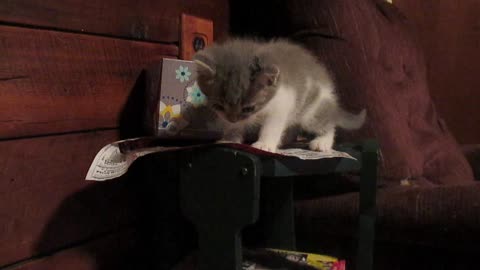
column 349, row 121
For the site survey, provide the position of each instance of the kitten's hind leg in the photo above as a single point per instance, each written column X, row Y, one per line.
column 319, row 120
column 324, row 142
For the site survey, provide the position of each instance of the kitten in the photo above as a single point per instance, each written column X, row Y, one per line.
column 272, row 89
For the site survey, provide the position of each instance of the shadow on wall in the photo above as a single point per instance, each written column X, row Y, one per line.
column 132, row 222
column 130, row 120
column 129, row 223
column 95, row 225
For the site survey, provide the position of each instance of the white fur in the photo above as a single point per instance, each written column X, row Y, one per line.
column 324, row 142
column 308, row 83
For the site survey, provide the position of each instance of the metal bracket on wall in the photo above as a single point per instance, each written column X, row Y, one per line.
column 195, row 34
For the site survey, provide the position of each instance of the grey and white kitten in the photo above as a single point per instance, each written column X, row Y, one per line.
column 273, row 89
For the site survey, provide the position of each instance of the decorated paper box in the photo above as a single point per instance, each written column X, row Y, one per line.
column 173, row 95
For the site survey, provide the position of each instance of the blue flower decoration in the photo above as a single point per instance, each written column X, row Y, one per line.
column 183, row 74
column 196, row 96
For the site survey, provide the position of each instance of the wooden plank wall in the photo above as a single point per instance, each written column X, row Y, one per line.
column 450, row 34
column 68, row 72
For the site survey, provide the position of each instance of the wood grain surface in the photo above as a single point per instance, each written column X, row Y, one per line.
column 53, row 82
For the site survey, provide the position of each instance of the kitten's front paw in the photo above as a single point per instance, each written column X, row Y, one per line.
column 322, row 144
column 265, row 146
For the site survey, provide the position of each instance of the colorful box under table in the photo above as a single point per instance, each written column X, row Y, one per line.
column 274, row 259
column 267, row 259
column 318, row 261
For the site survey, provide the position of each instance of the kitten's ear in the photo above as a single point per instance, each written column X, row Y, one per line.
column 205, row 63
column 267, row 76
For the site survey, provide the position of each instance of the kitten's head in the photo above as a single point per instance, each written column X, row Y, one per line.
column 237, row 83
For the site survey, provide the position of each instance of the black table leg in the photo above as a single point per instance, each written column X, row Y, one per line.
column 278, row 213
column 219, row 248
column 219, row 193
column 367, row 210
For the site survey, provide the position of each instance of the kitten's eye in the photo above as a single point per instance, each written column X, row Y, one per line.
column 248, row 109
column 218, row 107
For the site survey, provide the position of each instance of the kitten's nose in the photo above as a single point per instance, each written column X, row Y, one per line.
column 232, row 118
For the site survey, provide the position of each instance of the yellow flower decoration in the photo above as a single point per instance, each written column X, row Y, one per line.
column 168, row 112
